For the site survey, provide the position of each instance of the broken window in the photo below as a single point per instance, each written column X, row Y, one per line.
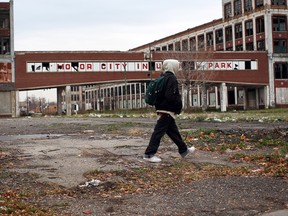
column 4, row 19
column 248, row 5
column 219, row 36
column 237, row 7
column 249, row 46
column 280, row 46
column 209, row 39
column 279, row 23
column 192, row 44
column 188, row 65
column 228, row 10
column 201, row 42
column 249, row 28
column 170, row 47
column 247, row 65
column 177, row 46
column 238, row 31
column 228, row 33
column 185, row 45
column 4, row 45
column 259, row 3
column 260, row 25
column 239, row 47
column 278, row 2
column 151, row 66
column 281, row 70
column 261, row 45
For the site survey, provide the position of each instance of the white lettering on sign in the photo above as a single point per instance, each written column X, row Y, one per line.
column 228, row 65
column 135, row 66
column 92, row 66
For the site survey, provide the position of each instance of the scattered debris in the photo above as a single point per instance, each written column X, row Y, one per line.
column 92, row 183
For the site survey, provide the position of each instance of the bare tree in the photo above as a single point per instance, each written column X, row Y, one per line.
column 195, row 73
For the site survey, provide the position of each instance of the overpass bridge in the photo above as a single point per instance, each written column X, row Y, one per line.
column 61, row 70
column 234, row 78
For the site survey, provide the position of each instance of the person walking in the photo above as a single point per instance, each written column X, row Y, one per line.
column 167, row 107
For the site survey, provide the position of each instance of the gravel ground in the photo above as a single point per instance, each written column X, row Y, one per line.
column 48, row 154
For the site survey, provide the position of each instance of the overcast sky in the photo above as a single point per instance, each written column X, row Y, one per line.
column 67, row 25
column 42, row 25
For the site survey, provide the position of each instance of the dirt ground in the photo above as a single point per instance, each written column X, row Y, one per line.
column 94, row 166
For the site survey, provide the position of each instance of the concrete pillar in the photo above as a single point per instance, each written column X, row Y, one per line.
column 110, row 97
column 98, row 99
column 59, row 100
column 266, row 96
column 122, row 97
column 223, row 97
column 145, row 89
column 204, row 97
column 198, row 96
column 184, row 95
column 130, row 97
column 140, row 95
column 118, row 97
column 216, row 98
column 257, row 97
column 191, row 94
column 245, row 99
column 207, row 97
column 135, row 95
column 236, row 95
column 93, row 98
column 15, row 104
column 68, row 100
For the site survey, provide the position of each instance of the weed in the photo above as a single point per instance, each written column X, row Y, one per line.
column 270, row 142
column 270, row 164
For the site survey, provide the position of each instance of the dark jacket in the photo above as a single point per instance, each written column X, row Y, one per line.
column 171, row 98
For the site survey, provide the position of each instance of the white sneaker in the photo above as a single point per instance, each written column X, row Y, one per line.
column 153, row 159
column 190, row 150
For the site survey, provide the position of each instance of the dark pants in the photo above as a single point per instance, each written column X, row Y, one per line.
column 165, row 124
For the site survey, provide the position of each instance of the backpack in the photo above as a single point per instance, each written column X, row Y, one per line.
column 154, row 90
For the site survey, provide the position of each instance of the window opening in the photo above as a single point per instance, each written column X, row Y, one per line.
column 209, row 39
column 238, row 31
column 248, row 5
column 261, row 45
column 249, row 28
column 228, row 10
column 185, row 45
column 192, row 44
column 279, row 23
column 237, row 7
column 260, row 26
column 278, row 2
column 281, row 70
column 280, row 46
column 177, row 46
column 249, row 46
column 239, row 48
column 219, row 36
column 201, row 42
column 4, row 45
column 259, row 3
column 228, row 33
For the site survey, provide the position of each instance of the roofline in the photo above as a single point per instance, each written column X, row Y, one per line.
column 179, row 34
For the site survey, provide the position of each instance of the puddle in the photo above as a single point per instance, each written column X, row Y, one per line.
column 29, row 136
